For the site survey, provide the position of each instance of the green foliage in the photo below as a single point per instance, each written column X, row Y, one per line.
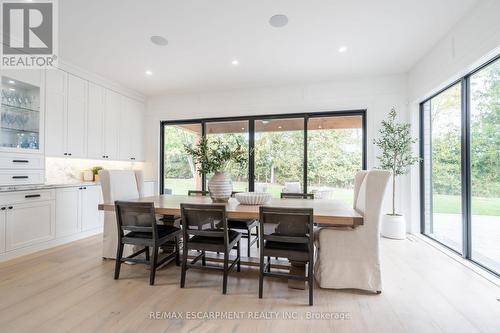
column 395, row 141
column 211, row 156
column 96, row 169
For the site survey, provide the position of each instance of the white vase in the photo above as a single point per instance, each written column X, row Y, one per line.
column 393, row 226
column 220, row 187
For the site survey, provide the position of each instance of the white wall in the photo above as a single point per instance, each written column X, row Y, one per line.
column 474, row 40
column 376, row 94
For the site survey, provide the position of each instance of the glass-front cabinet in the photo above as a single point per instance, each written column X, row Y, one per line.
column 20, row 122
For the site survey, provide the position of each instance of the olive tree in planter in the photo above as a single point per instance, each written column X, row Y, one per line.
column 395, row 142
column 213, row 157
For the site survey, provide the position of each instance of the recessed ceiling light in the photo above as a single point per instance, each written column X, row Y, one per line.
column 12, row 82
column 342, row 49
column 278, row 20
column 159, row 40
column 149, row 73
column 235, row 62
column 243, row 128
column 280, row 127
column 12, row 89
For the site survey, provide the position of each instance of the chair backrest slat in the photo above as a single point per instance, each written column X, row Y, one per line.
column 194, row 193
column 136, row 216
column 285, row 195
column 197, row 218
column 282, row 224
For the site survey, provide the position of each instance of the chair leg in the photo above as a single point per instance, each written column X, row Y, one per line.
column 257, row 235
column 238, row 255
column 184, row 266
column 261, row 275
column 147, row 252
column 226, row 265
column 249, row 230
column 153, row 264
column 118, row 260
column 268, row 264
column 177, row 255
column 203, row 259
column 311, row 280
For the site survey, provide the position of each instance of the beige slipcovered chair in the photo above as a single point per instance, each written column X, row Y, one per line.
column 350, row 257
column 120, row 185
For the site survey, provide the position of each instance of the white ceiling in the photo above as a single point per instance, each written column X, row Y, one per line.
column 111, row 38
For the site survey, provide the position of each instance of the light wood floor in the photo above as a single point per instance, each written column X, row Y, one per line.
column 70, row 289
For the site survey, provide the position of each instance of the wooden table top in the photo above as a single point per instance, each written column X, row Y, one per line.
column 326, row 212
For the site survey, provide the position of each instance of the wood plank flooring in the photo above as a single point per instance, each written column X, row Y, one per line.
column 71, row 289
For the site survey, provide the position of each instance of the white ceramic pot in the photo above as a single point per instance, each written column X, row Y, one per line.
column 393, row 226
column 220, row 187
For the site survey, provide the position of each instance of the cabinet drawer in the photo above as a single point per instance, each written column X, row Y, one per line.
column 18, row 161
column 21, row 177
column 26, row 197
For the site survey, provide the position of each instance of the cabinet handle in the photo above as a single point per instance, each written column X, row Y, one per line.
column 3, row 208
column 132, row 158
column 20, row 177
column 10, row 207
column 28, row 196
column 20, row 161
column 65, row 154
column 85, row 188
column 69, row 154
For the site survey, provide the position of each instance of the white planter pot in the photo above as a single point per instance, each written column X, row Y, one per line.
column 393, row 226
column 220, row 187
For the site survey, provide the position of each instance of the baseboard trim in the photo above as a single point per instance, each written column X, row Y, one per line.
column 48, row 244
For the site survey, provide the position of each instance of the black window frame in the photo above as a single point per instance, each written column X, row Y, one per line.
column 466, row 195
column 251, row 142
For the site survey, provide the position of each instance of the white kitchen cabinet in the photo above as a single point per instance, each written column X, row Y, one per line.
column 55, row 112
column 3, row 218
column 29, row 223
column 95, row 121
column 76, row 209
column 131, row 133
column 76, row 136
column 112, row 116
column 68, row 220
column 91, row 217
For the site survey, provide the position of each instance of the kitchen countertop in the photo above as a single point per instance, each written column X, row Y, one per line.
column 47, row 186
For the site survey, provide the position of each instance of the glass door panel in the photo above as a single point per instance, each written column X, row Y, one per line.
column 179, row 171
column 485, row 165
column 279, row 155
column 20, row 115
column 443, row 168
column 335, row 151
column 230, row 133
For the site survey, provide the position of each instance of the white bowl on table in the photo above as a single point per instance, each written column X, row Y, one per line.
column 253, row 198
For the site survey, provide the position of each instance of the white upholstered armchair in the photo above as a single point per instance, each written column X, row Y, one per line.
column 350, row 258
column 117, row 185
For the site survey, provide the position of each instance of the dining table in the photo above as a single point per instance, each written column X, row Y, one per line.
column 326, row 213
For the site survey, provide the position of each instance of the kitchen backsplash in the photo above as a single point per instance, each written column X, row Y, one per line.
column 68, row 170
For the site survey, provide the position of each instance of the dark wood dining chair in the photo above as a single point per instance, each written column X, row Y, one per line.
column 196, row 236
column 137, row 226
column 286, row 233
column 297, row 195
column 245, row 226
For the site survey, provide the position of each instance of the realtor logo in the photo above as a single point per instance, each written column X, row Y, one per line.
column 29, row 34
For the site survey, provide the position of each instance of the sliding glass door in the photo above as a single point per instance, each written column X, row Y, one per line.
column 485, row 165
column 443, row 115
column 279, row 155
column 334, row 155
column 231, row 133
column 460, row 170
column 179, row 171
